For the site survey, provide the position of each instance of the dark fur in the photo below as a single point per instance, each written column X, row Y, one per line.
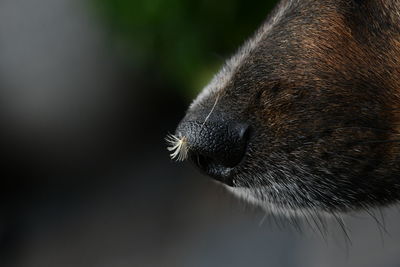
column 321, row 93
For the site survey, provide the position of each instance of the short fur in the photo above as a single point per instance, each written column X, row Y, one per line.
column 319, row 84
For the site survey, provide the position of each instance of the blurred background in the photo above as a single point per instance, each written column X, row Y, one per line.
column 88, row 91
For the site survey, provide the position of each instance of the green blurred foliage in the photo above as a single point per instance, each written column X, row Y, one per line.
column 186, row 40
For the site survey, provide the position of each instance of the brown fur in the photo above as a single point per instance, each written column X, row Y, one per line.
column 321, row 91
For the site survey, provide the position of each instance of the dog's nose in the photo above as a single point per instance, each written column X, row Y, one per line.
column 215, row 147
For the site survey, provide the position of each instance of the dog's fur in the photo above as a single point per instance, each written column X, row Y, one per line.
column 319, row 85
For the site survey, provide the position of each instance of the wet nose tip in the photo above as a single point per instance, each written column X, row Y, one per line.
column 215, row 147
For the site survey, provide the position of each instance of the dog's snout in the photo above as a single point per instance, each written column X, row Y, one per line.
column 216, row 147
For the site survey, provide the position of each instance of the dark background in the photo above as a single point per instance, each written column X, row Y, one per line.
column 88, row 91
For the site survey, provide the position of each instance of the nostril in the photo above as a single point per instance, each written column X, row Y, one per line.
column 236, row 145
column 216, row 147
column 243, row 130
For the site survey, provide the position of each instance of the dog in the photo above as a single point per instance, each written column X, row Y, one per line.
column 305, row 117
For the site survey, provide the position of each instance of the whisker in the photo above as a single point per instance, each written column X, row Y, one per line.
column 211, row 111
column 262, row 220
column 178, row 146
column 343, row 227
column 380, row 224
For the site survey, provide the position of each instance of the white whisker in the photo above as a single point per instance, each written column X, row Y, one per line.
column 178, row 146
column 211, row 111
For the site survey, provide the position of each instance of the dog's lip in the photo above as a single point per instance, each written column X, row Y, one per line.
column 213, row 170
column 225, row 175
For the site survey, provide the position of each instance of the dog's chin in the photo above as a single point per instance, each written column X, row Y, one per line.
column 256, row 197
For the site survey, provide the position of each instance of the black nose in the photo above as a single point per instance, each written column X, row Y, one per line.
column 216, row 147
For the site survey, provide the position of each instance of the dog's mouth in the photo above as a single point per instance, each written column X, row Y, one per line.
column 213, row 169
